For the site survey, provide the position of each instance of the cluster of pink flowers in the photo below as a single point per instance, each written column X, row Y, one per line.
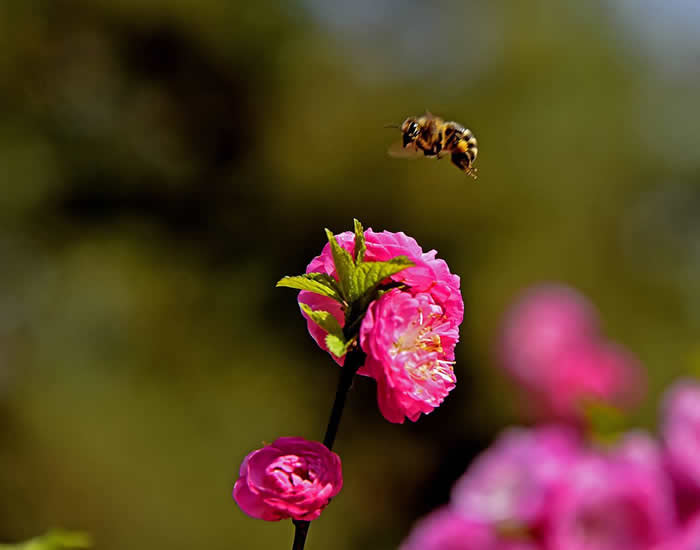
column 409, row 333
column 546, row 488
column 553, row 346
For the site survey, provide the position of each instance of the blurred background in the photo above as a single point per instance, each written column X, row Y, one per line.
column 163, row 164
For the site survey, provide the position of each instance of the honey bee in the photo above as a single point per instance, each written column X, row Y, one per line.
column 431, row 136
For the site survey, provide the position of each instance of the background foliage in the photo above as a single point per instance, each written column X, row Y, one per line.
column 165, row 163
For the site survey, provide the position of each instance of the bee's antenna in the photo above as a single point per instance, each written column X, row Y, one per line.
column 392, row 126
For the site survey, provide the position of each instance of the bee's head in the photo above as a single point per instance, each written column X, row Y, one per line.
column 411, row 130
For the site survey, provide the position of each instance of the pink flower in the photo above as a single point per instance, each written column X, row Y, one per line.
column 639, row 449
column 552, row 346
column 291, row 478
column 609, row 503
column 430, row 275
column 546, row 321
column 594, row 371
column 445, row 530
column 409, row 341
column 687, row 539
column 681, row 435
column 513, row 481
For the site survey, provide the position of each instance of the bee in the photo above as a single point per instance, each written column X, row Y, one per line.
column 431, row 136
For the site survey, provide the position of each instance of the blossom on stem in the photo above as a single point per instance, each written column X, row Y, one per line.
column 408, row 332
column 291, row 478
column 429, row 274
column 409, row 342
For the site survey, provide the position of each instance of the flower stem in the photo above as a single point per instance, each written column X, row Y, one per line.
column 353, row 361
column 300, row 530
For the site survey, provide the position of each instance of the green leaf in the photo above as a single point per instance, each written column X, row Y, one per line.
column 360, row 245
column 320, row 283
column 324, row 319
column 53, row 540
column 336, row 345
column 369, row 275
column 344, row 264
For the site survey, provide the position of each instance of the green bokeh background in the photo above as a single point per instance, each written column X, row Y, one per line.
column 164, row 163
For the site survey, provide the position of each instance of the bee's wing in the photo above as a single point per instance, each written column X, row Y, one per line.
column 397, row 150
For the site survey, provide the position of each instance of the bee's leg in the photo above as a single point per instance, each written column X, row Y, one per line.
column 434, row 151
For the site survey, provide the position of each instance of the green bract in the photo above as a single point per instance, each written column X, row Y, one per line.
column 359, row 283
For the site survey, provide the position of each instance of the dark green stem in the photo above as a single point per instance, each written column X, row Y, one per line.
column 353, row 361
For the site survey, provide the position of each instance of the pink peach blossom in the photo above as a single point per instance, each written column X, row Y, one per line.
column 547, row 320
column 429, row 275
column 291, row 478
column 513, row 481
column 409, row 341
column 641, row 450
column 681, row 435
column 688, row 538
column 610, row 502
column 552, row 346
column 445, row 530
column 594, row 371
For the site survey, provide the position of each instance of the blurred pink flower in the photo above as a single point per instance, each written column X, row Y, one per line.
column 551, row 345
column 291, row 478
column 430, row 275
column 445, row 530
column 681, row 435
column 640, row 449
column 546, row 321
column 687, row 539
column 513, row 480
column 409, row 341
column 610, row 502
column 595, row 371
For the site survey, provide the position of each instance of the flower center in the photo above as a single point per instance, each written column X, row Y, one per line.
column 420, row 348
column 419, row 337
column 292, row 471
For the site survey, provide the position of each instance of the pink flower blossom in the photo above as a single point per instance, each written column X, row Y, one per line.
column 430, row 275
column 409, row 341
column 445, row 530
column 551, row 344
column 547, row 320
column 681, row 435
column 609, row 503
column 640, row 449
column 513, row 480
column 595, row 371
column 687, row 539
column 291, row 478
